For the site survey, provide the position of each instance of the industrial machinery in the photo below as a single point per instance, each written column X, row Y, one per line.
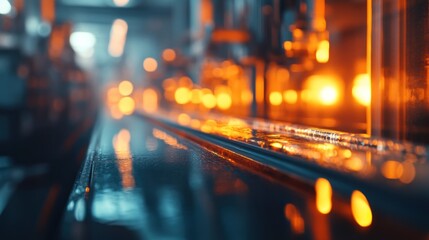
column 218, row 119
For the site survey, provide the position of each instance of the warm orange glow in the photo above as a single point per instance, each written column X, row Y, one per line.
column 362, row 89
column 323, row 196
column 185, row 81
column 115, row 112
column 224, row 101
column 409, row 172
column 347, row 153
column 118, row 37
column 150, row 100
column 319, row 22
column 297, row 33
column 287, row 45
column 182, row 95
column 121, row 3
column 47, row 10
column 113, row 95
column 392, row 169
column 184, row 119
column 195, row 123
column 360, row 209
column 354, row 164
column 322, row 53
column 275, row 98
column 206, row 13
column 196, row 96
column 150, row 64
column 290, row 96
column 208, row 99
column 230, row 35
column 121, row 145
column 328, row 95
column 246, row 97
column 168, row 139
column 276, row 145
column 295, row 218
column 169, row 55
column 125, row 88
column 126, row 105
column 321, row 89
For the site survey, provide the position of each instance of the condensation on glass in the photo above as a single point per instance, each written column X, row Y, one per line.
column 399, row 69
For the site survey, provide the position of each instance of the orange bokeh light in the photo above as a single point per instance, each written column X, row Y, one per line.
column 125, row 88
column 150, row 64
column 169, row 55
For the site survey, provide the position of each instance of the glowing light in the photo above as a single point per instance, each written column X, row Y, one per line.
column 323, row 196
column 5, row 7
column 196, row 96
column 409, row 172
column 115, row 112
column 182, row 95
column 354, row 164
column 83, row 43
column 120, row 3
column 290, row 96
column 295, row 218
column 150, row 64
column 360, row 209
column 209, row 100
column 328, row 95
column 121, row 145
column 126, row 105
column 246, row 97
column 224, row 101
column 297, row 33
column 183, row 119
column 362, row 89
column 322, row 53
column 169, row 55
column 170, row 140
column 113, row 95
column 118, row 37
column 150, row 100
column 392, row 169
column 125, row 88
column 275, row 98
column 321, row 89
column 347, row 153
column 287, row 45
column 195, row 123
column 276, row 145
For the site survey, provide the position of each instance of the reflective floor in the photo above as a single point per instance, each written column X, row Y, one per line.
column 142, row 181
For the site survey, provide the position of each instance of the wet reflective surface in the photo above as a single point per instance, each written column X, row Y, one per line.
column 146, row 179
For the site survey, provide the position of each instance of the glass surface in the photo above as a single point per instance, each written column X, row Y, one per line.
column 399, row 69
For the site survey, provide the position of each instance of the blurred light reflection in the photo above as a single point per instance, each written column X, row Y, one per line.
column 295, row 218
column 360, row 209
column 121, row 145
column 323, row 196
column 125, row 88
column 118, row 38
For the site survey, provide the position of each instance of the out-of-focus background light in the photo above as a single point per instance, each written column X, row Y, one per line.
column 121, row 3
column 150, row 64
column 83, row 43
column 362, row 89
column 118, row 37
column 5, row 7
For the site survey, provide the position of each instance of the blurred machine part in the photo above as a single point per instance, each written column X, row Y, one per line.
column 399, row 54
